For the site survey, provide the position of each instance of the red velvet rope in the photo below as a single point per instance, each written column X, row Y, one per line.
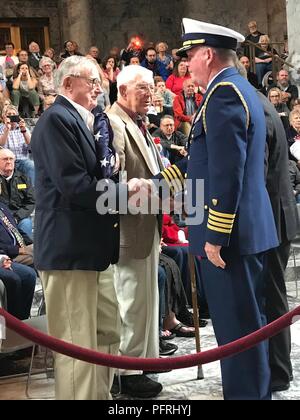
column 134, row 363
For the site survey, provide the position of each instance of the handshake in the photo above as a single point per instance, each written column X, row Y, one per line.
column 144, row 198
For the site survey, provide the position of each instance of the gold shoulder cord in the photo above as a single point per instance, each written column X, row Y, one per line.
column 239, row 94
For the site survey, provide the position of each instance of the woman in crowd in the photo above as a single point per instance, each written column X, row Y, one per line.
column 16, row 137
column 275, row 97
column 24, row 87
column 168, row 96
column 46, row 85
column 111, row 72
column 70, row 48
column 156, row 112
column 165, row 58
column 263, row 59
column 50, row 53
column 180, row 73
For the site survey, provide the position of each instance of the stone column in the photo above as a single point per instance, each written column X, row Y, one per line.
column 293, row 13
column 77, row 22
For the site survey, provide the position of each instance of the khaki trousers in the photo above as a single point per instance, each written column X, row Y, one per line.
column 82, row 309
column 137, row 291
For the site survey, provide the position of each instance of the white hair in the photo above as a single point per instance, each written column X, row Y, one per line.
column 74, row 65
column 131, row 73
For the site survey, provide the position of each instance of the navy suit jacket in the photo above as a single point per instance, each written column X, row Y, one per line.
column 69, row 234
column 227, row 151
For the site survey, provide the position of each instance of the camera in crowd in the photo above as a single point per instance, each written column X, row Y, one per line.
column 14, row 118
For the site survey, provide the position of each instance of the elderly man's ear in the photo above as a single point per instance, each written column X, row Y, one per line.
column 123, row 91
column 67, row 83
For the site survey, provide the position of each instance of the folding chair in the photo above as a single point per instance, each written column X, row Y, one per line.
column 14, row 342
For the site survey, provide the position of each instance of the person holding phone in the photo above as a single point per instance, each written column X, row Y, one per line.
column 16, row 137
column 24, row 87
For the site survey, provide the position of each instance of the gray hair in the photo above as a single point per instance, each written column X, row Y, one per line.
column 47, row 60
column 131, row 72
column 241, row 69
column 167, row 117
column 74, row 65
column 3, row 150
column 226, row 56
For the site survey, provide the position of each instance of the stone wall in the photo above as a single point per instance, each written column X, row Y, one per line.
column 269, row 14
column 116, row 21
column 293, row 13
column 35, row 9
column 113, row 22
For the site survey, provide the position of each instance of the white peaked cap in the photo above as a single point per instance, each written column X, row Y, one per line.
column 196, row 33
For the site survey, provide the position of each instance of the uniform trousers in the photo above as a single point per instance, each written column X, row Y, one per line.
column 82, row 309
column 236, row 303
column 137, row 291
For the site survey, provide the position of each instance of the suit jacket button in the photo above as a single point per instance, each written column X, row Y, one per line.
column 116, row 225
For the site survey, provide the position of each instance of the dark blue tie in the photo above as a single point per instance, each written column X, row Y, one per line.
column 106, row 155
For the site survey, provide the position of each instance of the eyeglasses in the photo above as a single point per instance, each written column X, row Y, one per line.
column 274, row 96
column 91, row 82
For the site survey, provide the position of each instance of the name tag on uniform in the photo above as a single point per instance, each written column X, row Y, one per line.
column 21, row 186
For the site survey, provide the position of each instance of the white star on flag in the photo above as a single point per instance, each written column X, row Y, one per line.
column 98, row 136
column 104, row 162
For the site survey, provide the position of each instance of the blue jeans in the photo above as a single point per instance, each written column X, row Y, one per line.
column 25, row 225
column 19, row 283
column 27, row 167
column 261, row 70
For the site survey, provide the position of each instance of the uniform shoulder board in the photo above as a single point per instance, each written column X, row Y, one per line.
column 238, row 93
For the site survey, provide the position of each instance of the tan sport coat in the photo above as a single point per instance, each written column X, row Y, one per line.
column 137, row 231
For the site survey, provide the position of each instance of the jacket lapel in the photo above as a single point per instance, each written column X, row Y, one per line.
column 85, row 131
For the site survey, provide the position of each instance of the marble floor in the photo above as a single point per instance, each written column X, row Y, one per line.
column 177, row 385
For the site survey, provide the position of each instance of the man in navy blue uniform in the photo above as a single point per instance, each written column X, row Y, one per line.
column 227, row 147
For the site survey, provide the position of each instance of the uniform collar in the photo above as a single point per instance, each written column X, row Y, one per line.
column 216, row 76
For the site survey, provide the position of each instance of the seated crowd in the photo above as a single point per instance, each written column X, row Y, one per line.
column 27, row 89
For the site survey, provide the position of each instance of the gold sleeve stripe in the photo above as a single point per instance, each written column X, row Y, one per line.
column 220, row 220
column 168, row 175
column 239, row 95
column 173, row 173
column 180, row 176
column 174, row 180
column 223, row 215
column 222, row 225
column 219, row 229
column 168, row 181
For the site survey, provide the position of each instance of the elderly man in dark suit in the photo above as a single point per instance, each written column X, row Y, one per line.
column 76, row 247
column 285, row 213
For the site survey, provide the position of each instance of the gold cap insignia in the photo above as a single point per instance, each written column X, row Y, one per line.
column 215, row 202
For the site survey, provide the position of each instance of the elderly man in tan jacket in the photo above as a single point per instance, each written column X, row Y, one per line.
column 137, row 285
